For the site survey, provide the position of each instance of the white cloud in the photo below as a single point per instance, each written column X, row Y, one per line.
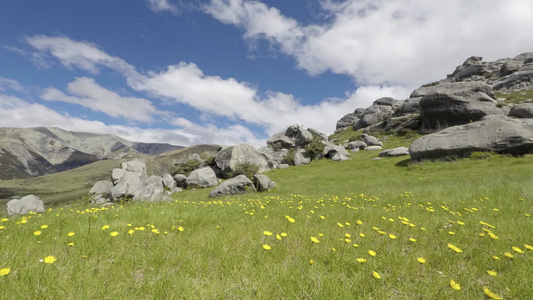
column 185, row 83
column 10, row 84
column 87, row 93
column 382, row 41
column 162, row 5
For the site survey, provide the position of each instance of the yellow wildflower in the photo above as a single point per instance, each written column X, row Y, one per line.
column 266, row 247
column 278, row 237
column 518, row 250
column 529, row 247
column 71, row 234
column 114, row 233
column 181, row 229
column 362, row 234
column 372, row 252
column 454, row 248
column 37, row 232
column 311, row 261
column 355, row 245
column 492, row 272
column 490, row 293
column 392, row 236
column 496, row 257
column 50, row 259
column 376, row 275
column 267, row 233
column 4, row 271
column 315, row 240
column 412, row 240
column 44, row 226
column 131, row 231
column 283, row 234
column 361, row 260
column 508, row 254
column 71, row 244
column 455, row 285
column 339, row 224
column 421, row 260
column 347, row 235
column 105, row 227
column 359, row 222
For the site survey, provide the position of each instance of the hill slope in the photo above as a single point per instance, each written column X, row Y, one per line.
column 27, row 152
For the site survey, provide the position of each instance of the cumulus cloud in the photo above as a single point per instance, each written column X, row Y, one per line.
column 87, row 93
column 381, row 41
column 16, row 112
column 185, row 83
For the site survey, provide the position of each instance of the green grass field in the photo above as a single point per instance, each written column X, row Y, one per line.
column 358, row 229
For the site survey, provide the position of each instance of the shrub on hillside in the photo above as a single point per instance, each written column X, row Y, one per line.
column 314, row 149
column 246, row 169
column 186, row 168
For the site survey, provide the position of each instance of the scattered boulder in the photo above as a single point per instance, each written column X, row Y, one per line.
column 330, row 150
column 299, row 158
column 25, row 205
column 355, row 145
column 497, row 133
column 101, row 187
column 349, row 120
column 181, row 180
column 370, row 140
column 263, row 182
column 373, row 148
column 294, row 136
column 229, row 158
column 399, row 151
column 451, row 104
column 202, row 178
column 522, row 110
column 169, row 182
column 236, row 185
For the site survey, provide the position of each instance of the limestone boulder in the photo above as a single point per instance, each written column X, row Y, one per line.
column 522, row 110
column 202, row 178
column 101, row 187
column 25, row 205
column 229, row 158
column 370, row 140
column 181, row 180
column 293, row 136
column 236, row 185
column 497, row 133
column 169, row 182
column 399, row 151
column 263, row 182
column 451, row 104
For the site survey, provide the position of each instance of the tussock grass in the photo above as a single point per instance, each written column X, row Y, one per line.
column 201, row 248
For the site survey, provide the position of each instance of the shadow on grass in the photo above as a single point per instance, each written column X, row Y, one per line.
column 404, row 163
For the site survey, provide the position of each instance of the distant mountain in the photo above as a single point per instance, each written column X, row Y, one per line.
column 28, row 152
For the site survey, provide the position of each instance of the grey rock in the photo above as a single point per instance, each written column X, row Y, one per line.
column 283, row 166
column 359, row 145
column 372, row 115
column 98, row 199
column 169, row 182
column 522, row 110
column 399, row 151
column 377, row 158
column 510, row 67
column 181, row 180
column 522, row 76
column 135, row 166
column 275, row 157
column 457, row 103
column 496, row 133
column 410, row 106
column 131, row 185
column 202, row 178
column 236, row 185
column 339, row 157
column 318, row 134
column 117, row 174
column 152, row 194
column 331, row 149
column 347, row 121
column 155, row 181
column 101, row 187
column 25, row 205
column 387, row 101
column 370, row 140
column 299, row 158
column 229, row 158
column 373, row 148
column 263, row 182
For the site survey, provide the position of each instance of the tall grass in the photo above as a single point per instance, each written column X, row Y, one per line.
column 201, row 248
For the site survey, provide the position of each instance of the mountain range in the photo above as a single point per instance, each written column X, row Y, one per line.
column 30, row 152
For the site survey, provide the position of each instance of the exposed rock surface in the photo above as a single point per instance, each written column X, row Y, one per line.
column 451, row 104
column 25, row 205
column 496, row 133
column 522, row 110
column 399, row 151
column 229, row 158
column 236, row 185
column 263, row 182
column 202, row 178
column 370, row 140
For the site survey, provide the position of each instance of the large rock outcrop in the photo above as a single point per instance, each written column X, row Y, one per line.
column 228, row 159
column 495, row 133
column 202, row 178
column 234, row 186
column 457, row 103
column 25, row 205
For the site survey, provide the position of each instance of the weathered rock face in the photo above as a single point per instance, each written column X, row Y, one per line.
column 370, row 140
column 25, row 205
column 229, row 158
column 350, row 119
column 522, row 110
column 294, row 136
column 399, row 151
column 169, row 182
column 519, row 79
column 236, row 185
column 372, row 115
column 496, row 133
column 263, row 182
column 458, row 103
column 101, row 187
column 202, row 178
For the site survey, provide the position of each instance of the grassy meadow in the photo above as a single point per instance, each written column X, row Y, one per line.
column 358, row 229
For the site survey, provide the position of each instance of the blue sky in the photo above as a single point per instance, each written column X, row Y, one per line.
column 234, row 71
